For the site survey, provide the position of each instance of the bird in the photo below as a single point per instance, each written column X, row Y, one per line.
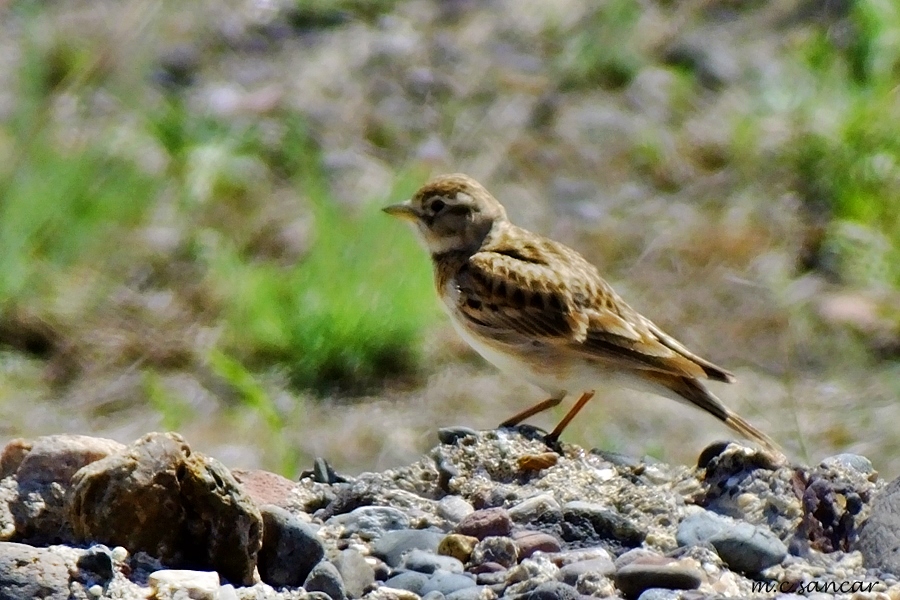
column 538, row 310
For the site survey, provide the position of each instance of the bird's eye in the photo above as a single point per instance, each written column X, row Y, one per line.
column 437, row 206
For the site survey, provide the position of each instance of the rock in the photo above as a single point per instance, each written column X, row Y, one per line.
column 471, row 593
column 748, row 548
column 532, row 508
column 698, row 527
column 644, row 573
column 394, row 544
column 55, row 457
column 265, row 487
column 428, row 562
column 590, row 523
column 485, row 522
column 433, row 595
column 28, row 572
column 854, row 462
column 371, row 522
column 744, row 547
column 43, row 469
column 97, row 561
column 458, row 546
column 553, row 590
column 454, row 508
column 879, row 539
column 326, row 578
column 196, row 585
column 411, row 581
column 452, row 435
column 495, row 549
column 447, row 583
column 570, row 573
column 356, row 573
column 159, row 497
column 662, row 594
column 530, row 542
column 290, row 548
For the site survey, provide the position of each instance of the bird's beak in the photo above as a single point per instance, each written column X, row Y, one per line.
column 403, row 210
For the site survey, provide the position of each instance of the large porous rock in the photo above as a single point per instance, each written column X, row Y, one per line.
column 27, row 572
column 879, row 541
column 159, row 497
column 35, row 475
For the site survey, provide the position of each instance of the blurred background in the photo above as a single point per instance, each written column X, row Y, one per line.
column 190, row 234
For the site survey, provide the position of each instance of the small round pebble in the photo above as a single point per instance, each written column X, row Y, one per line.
column 659, row 594
column 530, row 542
column 428, row 562
column 290, row 548
column 553, row 590
column 658, row 572
column 411, row 581
column 458, row 546
column 393, row 545
column 447, row 583
column 356, row 572
column 371, row 522
column 571, row 572
column 748, row 548
column 452, row 435
column 532, row 508
column 326, row 578
column 486, row 522
column 454, row 508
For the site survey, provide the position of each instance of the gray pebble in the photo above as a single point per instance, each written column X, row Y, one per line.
column 433, row 595
column 658, row 572
column 699, row 527
column 454, row 508
column 748, row 548
column 452, row 435
column 571, row 572
column 371, row 522
column 530, row 509
column 410, row 581
column 355, row 571
column 879, row 540
column 325, row 578
column 553, row 590
column 659, row 594
column 447, row 583
column 394, row 544
column 854, row 462
column 290, row 548
column 28, row 572
column 318, row 596
column 428, row 562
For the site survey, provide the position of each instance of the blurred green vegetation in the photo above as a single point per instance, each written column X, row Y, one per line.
column 846, row 151
column 332, row 311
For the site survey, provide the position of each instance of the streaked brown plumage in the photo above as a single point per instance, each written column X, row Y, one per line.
column 538, row 309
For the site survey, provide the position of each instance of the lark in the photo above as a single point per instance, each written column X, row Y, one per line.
column 537, row 309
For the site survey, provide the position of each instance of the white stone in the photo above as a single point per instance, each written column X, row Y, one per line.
column 185, row 585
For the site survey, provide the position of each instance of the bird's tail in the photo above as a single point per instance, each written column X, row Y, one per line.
column 695, row 393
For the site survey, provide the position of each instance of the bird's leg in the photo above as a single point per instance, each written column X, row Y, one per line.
column 530, row 412
column 553, row 436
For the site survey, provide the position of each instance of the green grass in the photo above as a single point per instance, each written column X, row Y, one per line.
column 846, row 152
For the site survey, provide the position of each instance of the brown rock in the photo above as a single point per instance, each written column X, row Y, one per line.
column 530, row 542
column 458, row 546
column 58, row 457
column 485, row 522
column 158, row 497
column 42, row 469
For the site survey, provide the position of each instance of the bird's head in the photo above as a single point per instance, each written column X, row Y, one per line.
column 451, row 213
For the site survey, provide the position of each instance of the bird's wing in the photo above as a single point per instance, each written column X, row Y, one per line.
column 535, row 290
